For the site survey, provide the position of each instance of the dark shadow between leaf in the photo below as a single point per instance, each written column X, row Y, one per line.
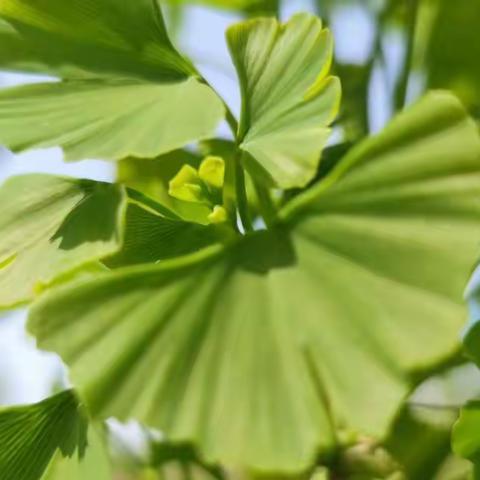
column 94, row 219
column 263, row 251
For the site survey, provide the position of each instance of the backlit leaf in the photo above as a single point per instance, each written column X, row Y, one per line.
column 51, row 226
column 31, row 435
column 108, row 119
column 151, row 236
column 257, row 352
column 288, row 98
column 99, row 37
column 128, row 90
column 95, row 464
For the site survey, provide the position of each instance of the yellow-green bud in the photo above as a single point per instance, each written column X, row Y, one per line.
column 187, row 186
column 218, row 215
column 212, row 171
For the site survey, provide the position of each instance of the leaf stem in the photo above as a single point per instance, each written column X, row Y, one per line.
column 241, row 193
column 266, row 205
column 240, row 186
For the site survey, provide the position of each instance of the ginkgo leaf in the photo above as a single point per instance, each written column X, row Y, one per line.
column 10, row 42
column 151, row 236
column 466, row 435
column 51, row 226
column 99, row 37
column 288, row 98
column 107, row 118
column 257, row 352
column 95, row 464
column 128, row 91
column 31, row 435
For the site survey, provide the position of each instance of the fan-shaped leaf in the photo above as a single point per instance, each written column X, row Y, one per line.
column 128, row 91
column 288, row 98
column 108, row 119
column 99, row 37
column 31, row 435
column 51, row 226
column 259, row 351
column 151, row 236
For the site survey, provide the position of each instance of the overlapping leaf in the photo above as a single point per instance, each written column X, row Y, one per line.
column 128, row 91
column 51, row 226
column 95, row 464
column 108, row 119
column 152, row 235
column 31, row 435
column 259, row 351
column 288, row 98
column 99, row 37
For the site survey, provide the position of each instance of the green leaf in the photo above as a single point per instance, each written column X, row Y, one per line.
column 31, row 435
column 258, row 352
column 355, row 99
column 109, row 119
column 95, row 465
column 151, row 236
column 128, row 90
column 52, row 226
column 453, row 50
column 288, row 98
column 11, row 45
column 99, row 37
column 466, row 436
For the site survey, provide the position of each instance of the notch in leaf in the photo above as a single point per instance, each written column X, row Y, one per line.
column 52, row 226
column 288, row 97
